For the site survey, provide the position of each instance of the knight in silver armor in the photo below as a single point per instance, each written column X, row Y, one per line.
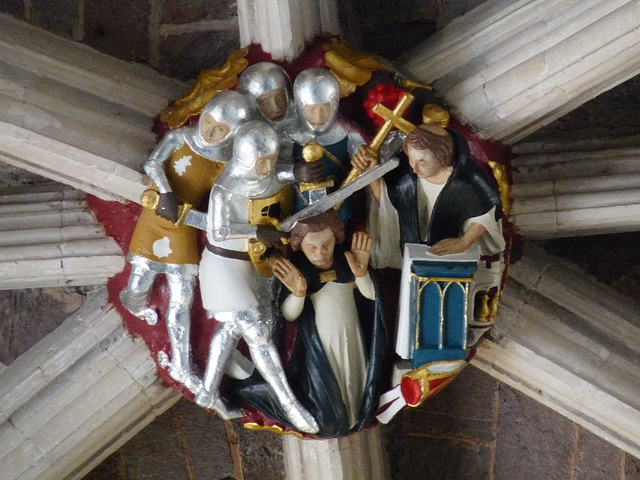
column 268, row 88
column 182, row 167
column 232, row 290
column 316, row 94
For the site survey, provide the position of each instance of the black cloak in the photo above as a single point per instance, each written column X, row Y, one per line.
column 469, row 192
column 308, row 370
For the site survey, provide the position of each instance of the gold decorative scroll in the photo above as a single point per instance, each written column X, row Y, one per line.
column 500, row 174
column 351, row 67
column 208, row 84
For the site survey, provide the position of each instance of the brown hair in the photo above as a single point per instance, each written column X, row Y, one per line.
column 433, row 138
column 315, row 224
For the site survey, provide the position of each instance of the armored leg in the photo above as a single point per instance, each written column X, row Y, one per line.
column 223, row 343
column 135, row 297
column 179, row 327
column 267, row 360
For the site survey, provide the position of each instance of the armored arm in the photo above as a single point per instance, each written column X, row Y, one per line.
column 354, row 140
column 168, row 205
column 154, row 166
column 284, row 173
column 222, row 227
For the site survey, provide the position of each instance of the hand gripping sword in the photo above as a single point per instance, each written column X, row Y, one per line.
column 186, row 216
column 392, row 119
column 340, row 195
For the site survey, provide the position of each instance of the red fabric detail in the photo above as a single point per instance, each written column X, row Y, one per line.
column 385, row 93
column 411, row 390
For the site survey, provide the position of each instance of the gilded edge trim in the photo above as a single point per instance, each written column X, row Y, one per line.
column 500, row 174
column 271, row 428
column 422, row 375
column 422, row 284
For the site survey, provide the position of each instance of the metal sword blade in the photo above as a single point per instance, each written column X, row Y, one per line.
column 339, row 195
column 196, row 219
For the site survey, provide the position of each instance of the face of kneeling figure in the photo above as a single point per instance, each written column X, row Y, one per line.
column 318, row 247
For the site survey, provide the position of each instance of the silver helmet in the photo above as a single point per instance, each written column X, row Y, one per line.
column 227, row 107
column 217, row 124
column 261, row 79
column 317, row 86
column 254, row 140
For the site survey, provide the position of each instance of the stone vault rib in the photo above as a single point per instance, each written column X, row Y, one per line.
column 75, row 115
column 49, row 237
column 577, row 186
column 507, row 68
column 77, row 396
column 571, row 343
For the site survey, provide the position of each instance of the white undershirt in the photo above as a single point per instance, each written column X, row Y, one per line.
column 427, row 195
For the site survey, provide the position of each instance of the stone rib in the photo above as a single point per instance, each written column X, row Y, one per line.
column 48, row 237
column 576, row 187
column 77, row 396
column 509, row 68
column 571, row 343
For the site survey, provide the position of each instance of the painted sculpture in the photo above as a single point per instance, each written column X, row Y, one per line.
column 336, row 360
column 246, row 197
column 441, row 198
column 289, row 328
column 316, row 94
column 183, row 167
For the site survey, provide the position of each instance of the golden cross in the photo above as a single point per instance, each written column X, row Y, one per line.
column 393, row 118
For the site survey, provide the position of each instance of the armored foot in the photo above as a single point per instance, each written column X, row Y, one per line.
column 149, row 315
column 186, row 378
column 218, row 404
column 301, row 418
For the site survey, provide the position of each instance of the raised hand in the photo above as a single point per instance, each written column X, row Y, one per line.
column 290, row 276
column 358, row 256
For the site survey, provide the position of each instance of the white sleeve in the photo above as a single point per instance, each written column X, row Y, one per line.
column 383, row 225
column 365, row 285
column 492, row 241
column 292, row 307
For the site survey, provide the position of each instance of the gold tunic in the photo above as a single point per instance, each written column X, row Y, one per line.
column 191, row 177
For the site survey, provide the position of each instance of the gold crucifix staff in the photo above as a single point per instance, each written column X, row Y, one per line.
column 392, row 119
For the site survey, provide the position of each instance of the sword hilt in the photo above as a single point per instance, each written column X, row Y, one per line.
column 150, row 198
column 311, row 153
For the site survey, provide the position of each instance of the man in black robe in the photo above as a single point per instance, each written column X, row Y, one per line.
column 440, row 197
